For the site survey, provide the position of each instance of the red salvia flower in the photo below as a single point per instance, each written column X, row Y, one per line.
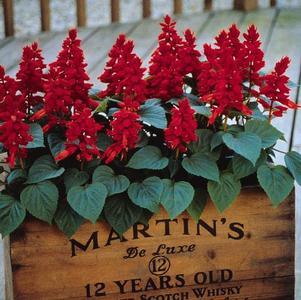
column 182, row 127
column 221, row 78
column 188, row 57
column 166, row 81
column 30, row 75
column 124, row 75
column 67, row 87
column 81, row 137
column 275, row 88
column 14, row 132
column 254, row 55
column 125, row 128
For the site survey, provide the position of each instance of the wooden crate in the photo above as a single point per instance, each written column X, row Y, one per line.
column 245, row 253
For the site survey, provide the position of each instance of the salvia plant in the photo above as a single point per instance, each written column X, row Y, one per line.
column 191, row 126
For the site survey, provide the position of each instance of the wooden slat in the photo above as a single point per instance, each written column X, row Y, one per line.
column 45, row 15
column 207, row 5
column 81, row 13
column 115, row 11
column 273, row 2
column 264, row 20
column 146, row 8
column 177, row 7
column 8, row 283
column 263, row 263
column 8, row 11
column 219, row 21
column 245, row 5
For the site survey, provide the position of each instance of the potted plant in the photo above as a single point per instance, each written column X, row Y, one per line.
column 126, row 173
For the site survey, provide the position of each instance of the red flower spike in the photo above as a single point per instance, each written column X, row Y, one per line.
column 30, row 75
column 166, row 80
column 254, row 55
column 221, row 78
column 188, row 57
column 14, row 133
column 275, row 88
column 124, row 75
column 67, row 85
column 81, row 137
column 125, row 128
column 182, row 128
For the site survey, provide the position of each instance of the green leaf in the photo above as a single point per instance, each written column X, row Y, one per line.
column 68, row 220
column 145, row 217
column 41, row 200
column 56, row 144
column 114, row 183
column 103, row 141
column 243, row 167
column 202, row 110
column 268, row 133
column 293, row 163
column 173, row 166
column 223, row 193
column 276, row 182
column 198, row 204
column 35, row 130
column 147, row 193
column 102, row 106
column 122, row 213
column 74, row 177
column 88, row 201
column 43, row 168
column 153, row 113
column 246, row 144
column 217, row 140
column 200, row 164
column 12, row 214
column 203, row 142
column 17, row 175
column 148, row 157
column 176, row 196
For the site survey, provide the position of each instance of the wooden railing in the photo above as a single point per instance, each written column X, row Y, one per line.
column 8, row 10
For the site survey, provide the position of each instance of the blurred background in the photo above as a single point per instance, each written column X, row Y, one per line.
column 63, row 13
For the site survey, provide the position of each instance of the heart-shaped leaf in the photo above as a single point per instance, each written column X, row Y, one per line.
column 114, row 183
column 68, row 220
column 12, row 214
column 203, row 142
column 41, row 200
column 224, row 192
column 276, row 182
column 200, row 164
column 35, row 130
column 246, row 144
column 17, row 175
column 122, row 213
column 267, row 132
column 153, row 113
column 43, row 168
column 74, row 177
column 147, row 193
column 56, row 143
column 293, row 163
column 88, row 201
column 176, row 196
column 148, row 157
column 198, row 204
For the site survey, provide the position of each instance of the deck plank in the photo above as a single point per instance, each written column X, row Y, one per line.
column 145, row 38
column 284, row 42
column 50, row 44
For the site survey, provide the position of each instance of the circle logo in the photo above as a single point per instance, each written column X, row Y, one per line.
column 159, row 265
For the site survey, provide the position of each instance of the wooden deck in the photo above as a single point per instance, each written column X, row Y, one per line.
column 281, row 35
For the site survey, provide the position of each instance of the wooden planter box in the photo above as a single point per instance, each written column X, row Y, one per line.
column 245, row 253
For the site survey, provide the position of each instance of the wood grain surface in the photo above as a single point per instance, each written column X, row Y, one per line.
column 245, row 253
